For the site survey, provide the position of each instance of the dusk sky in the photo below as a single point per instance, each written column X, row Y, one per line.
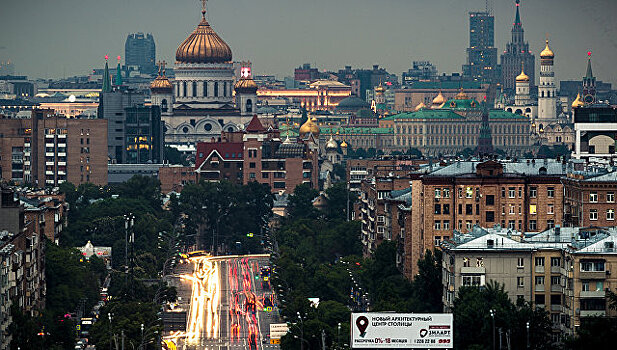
column 51, row 39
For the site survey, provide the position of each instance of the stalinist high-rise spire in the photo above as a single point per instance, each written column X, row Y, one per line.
column 517, row 51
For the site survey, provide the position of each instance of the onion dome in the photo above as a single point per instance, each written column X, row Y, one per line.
column 547, row 52
column 246, row 86
column 309, row 127
column 461, row 95
column 161, row 84
column 331, row 144
column 523, row 78
column 578, row 102
column 420, row 106
column 439, row 99
column 343, row 144
column 380, row 89
column 203, row 46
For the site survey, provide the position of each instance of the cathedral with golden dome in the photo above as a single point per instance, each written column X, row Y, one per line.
column 204, row 99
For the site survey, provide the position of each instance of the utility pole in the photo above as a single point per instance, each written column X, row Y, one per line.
column 122, row 339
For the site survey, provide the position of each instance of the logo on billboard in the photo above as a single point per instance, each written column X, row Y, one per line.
column 423, row 333
column 362, row 323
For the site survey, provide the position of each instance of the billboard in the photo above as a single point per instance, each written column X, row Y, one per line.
column 277, row 330
column 392, row 330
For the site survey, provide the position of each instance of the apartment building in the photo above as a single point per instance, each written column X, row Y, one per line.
column 566, row 271
column 47, row 149
column 590, row 200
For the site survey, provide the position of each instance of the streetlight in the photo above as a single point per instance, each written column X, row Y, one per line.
column 301, row 330
column 527, row 325
column 493, row 317
column 142, row 336
column 109, row 315
column 338, row 334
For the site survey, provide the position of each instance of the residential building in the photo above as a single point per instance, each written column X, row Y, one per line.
column 46, row 209
column 590, row 200
column 48, row 149
column 175, row 177
column 258, row 154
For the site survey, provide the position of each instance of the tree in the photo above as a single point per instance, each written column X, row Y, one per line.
column 147, row 188
column 301, row 202
column 173, row 156
column 414, row 152
column 427, row 285
column 337, row 201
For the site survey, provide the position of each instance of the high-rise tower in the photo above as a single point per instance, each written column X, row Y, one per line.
column 517, row 51
column 547, row 91
column 481, row 53
column 140, row 51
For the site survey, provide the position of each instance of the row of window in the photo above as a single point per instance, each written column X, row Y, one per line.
column 182, row 90
column 510, row 191
column 593, row 197
column 593, row 214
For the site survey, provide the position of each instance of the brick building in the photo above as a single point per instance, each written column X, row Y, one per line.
column 175, row 177
column 47, row 211
column 48, row 149
column 590, row 201
column 258, row 154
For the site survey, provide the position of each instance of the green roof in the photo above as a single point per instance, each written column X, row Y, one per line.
column 500, row 114
column 356, row 130
column 445, row 85
column 425, row 113
column 461, row 104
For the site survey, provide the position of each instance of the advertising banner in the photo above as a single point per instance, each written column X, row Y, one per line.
column 392, row 330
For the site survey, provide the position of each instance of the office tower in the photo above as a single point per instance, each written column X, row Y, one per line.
column 140, row 52
column 481, row 53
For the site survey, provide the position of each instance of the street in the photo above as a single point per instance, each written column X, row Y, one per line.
column 228, row 302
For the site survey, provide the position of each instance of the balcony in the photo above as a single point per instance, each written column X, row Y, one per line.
column 49, row 154
column 61, row 154
column 62, row 163
column 473, row 270
column 592, row 275
column 557, row 308
column 50, row 163
column 556, row 269
column 593, row 294
column 49, row 172
column 539, row 269
column 556, row 288
column 539, row 288
column 589, row 313
column 52, row 145
column 61, row 172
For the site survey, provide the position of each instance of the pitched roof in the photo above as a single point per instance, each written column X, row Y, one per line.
column 255, row 125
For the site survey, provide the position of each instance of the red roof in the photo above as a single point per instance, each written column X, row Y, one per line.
column 226, row 150
column 255, row 125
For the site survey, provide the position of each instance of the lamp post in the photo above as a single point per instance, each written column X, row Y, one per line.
column 493, row 319
column 301, row 330
column 527, row 325
column 142, row 336
column 338, row 334
column 109, row 315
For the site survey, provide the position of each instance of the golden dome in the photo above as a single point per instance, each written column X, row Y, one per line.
column 331, row 144
column 203, row 46
column 246, row 85
column 522, row 77
column 420, row 106
column 161, row 83
column 380, row 88
column 578, row 102
column 547, row 52
column 309, row 127
column 343, row 144
column 439, row 99
column 461, row 95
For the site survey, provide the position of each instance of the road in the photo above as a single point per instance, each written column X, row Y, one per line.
column 228, row 302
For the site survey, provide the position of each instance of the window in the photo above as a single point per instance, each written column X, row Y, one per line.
column 251, row 175
column 550, row 192
column 252, row 165
column 556, row 280
column 437, row 241
column 520, row 262
column 446, row 209
column 490, row 216
column 533, row 225
column 585, row 286
column 539, row 261
column 539, row 280
column 593, row 197
column 446, row 224
column 264, row 175
column 593, row 214
column 466, row 262
column 446, row 193
column 540, row 299
column 511, row 224
column 468, row 209
column 610, row 197
column 437, row 209
column 550, row 224
column 468, row 192
column 503, row 192
column 520, row 192
column 610, row 214
column 592, row 265
column 550, row 209
column 460, row 209
column 533, row 209
column 460, row 193
column 511, row 211
column 533, row 192
column 437, row 193
column 555, row 299
column 279, row 184
column 520, row 282
column 511, row 192
column 479, row 262
column 556, row 262
column 490, row 199
column 381, row 219
column 472, row 280
column 437, row 225
column 468, row 224
column 503, row 209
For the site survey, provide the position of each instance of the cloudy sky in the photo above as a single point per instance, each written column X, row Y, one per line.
column 50, row 39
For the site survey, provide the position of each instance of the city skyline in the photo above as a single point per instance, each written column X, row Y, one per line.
column 253, row 31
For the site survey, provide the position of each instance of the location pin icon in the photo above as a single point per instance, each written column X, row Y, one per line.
column 362, row 323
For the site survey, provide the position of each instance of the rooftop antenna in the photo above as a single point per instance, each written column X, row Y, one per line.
column 203, row 8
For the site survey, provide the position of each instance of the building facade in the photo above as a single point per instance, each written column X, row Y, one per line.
column 481, row 53
column 140, row 52
column 516, row 53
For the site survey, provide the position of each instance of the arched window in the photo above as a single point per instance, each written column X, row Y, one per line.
column 194, row 89
column 164, row 105
column 184, row 89
column 205, row 89
column 249, row 105
column 216, row 89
